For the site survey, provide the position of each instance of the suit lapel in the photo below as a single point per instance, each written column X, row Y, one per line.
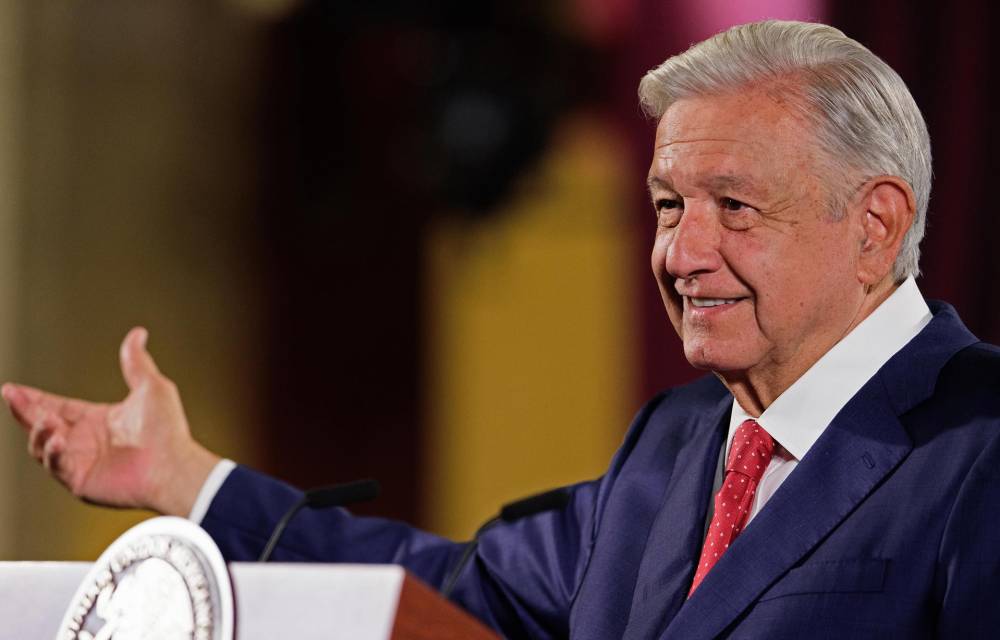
column 672, row 546
column 859, row 448
column 863, row 444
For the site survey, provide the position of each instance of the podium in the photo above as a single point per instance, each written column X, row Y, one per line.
column 301, row 601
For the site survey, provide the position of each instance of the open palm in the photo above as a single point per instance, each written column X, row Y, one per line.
column 134, row 453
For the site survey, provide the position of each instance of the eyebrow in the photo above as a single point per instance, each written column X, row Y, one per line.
column 714, row 183
column 653, row 183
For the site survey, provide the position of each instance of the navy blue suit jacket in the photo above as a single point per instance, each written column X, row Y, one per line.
column 888, row 527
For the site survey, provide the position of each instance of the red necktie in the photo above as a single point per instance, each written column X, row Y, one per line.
column 749, row 455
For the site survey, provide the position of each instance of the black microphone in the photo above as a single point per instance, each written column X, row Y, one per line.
column 539, row 503
column 336, row 495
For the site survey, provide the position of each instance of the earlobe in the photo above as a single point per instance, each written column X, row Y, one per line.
column 890, row 207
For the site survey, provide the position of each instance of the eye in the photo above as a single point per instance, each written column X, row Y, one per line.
column 729, row 204
column 668, row 211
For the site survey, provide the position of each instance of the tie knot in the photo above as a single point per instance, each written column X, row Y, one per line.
column 751, row 450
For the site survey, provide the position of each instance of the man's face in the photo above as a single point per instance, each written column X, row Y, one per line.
column 758, row 277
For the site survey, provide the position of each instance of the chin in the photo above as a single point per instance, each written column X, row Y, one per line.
column 708, row 357
column 698, row 357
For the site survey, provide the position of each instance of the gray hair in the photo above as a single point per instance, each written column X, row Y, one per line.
column 865, row 120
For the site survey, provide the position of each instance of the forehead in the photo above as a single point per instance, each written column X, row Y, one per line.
column 730, row 141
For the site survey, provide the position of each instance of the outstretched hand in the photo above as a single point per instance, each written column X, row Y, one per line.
column 135, row 453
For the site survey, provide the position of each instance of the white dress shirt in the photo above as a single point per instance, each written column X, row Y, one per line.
column 798, row 417
column 208, row 490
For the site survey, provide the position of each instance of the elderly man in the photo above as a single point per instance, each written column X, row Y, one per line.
column 837, row 476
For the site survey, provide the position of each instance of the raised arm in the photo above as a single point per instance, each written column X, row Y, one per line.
column 134, row 453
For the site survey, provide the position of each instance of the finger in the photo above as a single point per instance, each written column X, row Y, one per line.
column 137, row 365
column 52, row 453
column 43, row 429
column 28, row 404
column 16, row 402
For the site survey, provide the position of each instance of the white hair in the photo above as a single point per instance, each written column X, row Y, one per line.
column 864, row 118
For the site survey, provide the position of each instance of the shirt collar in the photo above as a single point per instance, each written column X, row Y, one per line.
column 797, row 418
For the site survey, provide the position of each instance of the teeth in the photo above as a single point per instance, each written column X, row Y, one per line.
column 712, row 302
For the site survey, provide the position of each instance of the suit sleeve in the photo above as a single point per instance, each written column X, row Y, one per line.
column 520, row 582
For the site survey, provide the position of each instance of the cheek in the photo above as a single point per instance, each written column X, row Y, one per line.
column 779, row 276
column 828, row 262
column 801, row 290
column 749, row 260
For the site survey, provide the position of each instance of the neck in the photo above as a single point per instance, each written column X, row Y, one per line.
column 756, row 388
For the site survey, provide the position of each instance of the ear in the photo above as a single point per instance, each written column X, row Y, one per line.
column 888, row 207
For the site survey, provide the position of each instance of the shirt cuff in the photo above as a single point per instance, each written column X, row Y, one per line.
column 208, row 490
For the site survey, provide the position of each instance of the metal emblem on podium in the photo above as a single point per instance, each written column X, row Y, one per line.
column 163, row 579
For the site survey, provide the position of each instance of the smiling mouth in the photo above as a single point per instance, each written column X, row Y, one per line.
column 712, row 302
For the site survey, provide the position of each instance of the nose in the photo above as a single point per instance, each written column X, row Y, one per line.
column 693, row 248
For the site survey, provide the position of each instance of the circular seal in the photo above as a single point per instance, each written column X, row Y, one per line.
column 163, row 579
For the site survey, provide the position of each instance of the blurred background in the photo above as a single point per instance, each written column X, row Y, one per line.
column 388, row 239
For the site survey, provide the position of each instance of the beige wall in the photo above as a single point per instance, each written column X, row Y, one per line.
column 11, row 141
column 132, row 122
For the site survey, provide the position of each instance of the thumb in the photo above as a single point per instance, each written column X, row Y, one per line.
column 137, row 365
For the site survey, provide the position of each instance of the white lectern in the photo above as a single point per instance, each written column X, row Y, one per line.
column 300, row 601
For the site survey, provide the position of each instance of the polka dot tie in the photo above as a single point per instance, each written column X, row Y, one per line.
column 749, row 455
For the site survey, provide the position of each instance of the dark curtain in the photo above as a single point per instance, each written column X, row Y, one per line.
column 944, row 53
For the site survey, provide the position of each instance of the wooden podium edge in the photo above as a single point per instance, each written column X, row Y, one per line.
column 424, row 615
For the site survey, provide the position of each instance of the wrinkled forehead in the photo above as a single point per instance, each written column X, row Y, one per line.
column 751, row 117
column 731, row 138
